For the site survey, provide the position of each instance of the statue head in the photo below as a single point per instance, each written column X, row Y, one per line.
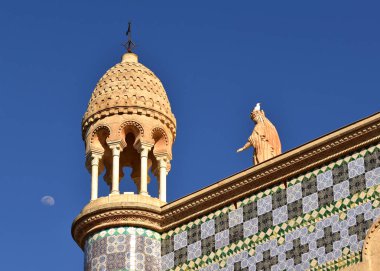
column 257, row 115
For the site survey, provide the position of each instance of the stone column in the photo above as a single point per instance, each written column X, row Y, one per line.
column 162, row 178
column 144, row 151
column 116, row 149
column 94, row 175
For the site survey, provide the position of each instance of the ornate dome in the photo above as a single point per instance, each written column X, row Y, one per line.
column 129, row 88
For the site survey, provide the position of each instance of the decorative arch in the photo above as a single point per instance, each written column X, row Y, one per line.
column 136, row 128
column 371, row 248
column 95, row 132
column 158, row 133
column 161, row 141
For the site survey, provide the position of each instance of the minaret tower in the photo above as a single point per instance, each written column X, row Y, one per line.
column 128, row 123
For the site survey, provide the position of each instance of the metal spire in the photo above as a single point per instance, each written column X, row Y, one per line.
column 129, row 45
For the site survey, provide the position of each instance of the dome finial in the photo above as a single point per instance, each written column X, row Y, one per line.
column 129, row 45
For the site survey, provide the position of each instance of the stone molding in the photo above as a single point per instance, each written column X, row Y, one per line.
column 115, row 218
column 162, row 218
column 129, row 110
column 115, row 211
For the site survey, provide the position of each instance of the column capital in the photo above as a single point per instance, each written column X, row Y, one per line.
column 93, row 152
column 163, row 157
column 116, row 144
column 96, row 155
column 116, row 147
column 143, row 147
column 93, row 157
column 163, row 154
column 95, row 161
column 162, row 160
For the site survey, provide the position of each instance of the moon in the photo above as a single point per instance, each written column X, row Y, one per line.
column 47, row 200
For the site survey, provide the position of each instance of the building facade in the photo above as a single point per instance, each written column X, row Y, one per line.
column 316, row 207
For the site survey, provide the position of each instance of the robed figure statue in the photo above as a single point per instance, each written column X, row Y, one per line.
column 264, row 138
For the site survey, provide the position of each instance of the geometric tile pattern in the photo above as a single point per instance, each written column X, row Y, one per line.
column 318, row 219
column 124, row 248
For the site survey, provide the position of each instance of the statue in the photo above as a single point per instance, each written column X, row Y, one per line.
column 264, row 138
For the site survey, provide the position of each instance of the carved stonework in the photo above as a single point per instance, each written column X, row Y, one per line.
column 161, row 132
column 94, row 133
column 133, row 124
column 129, row 88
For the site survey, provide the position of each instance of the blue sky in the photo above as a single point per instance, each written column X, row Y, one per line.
column 314, row 66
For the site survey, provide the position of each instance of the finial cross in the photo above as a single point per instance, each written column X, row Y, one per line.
column 129, row 45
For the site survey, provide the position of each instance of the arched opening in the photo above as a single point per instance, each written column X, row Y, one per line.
column 160, row 157
column 130, row 165
column 128, row 162
column 160, row 141
column 98, row 138
column 97, row 151
column 99, row 144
